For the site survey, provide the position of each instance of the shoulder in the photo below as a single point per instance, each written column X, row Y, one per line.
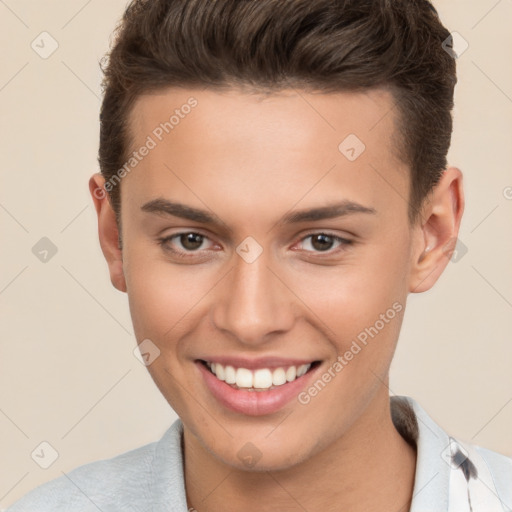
column 462, row 471
column 498, row 467
column 123, row 482
column 88, row 487
column 494, row 460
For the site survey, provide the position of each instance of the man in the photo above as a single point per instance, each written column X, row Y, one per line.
column 274, row 184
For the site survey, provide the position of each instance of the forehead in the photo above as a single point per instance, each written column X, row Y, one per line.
column 293, row 114
column 264, row 150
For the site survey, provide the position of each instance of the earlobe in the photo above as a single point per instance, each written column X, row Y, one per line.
column 436, row 233
column 108, row 231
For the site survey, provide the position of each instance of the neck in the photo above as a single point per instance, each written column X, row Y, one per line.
column 369, row 468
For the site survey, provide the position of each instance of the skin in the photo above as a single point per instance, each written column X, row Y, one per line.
column 248, row 159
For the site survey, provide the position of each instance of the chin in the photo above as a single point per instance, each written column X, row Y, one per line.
column 259, row 453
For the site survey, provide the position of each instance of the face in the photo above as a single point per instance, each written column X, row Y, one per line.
column 265, row 233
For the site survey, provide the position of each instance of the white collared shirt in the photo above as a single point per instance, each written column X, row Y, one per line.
column 451, row 476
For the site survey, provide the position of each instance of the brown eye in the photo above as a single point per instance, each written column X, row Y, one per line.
column 184, row 244
column 322, row 242
column 191, row 241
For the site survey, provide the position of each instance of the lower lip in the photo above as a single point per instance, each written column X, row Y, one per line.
column 253, row 403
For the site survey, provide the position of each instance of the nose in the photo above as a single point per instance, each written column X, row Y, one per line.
column 253, row 303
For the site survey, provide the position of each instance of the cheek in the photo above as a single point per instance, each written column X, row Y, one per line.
column 360, row 308
column 162, row 305
column 349, row 298
column 161, row 294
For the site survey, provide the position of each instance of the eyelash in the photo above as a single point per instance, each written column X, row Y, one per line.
column 188, row 254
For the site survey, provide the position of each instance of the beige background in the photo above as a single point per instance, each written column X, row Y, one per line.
column 68, row 375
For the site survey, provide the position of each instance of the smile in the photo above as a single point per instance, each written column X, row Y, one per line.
column 260, row 379
column 265, row 388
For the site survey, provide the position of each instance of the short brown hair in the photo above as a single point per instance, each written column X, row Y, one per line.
column 316, row 45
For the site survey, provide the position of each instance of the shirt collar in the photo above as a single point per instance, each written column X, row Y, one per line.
column 431, row 484
column 432, row 475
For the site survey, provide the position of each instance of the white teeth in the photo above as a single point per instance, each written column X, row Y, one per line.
column 291, row 373
column 301, row 370
column 243, row 378
column 278, row 377
column 262, row 378
column 230, row 375
column 219, row 371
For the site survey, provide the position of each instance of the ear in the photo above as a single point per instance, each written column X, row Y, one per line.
column 436, row 231
column 108, row 231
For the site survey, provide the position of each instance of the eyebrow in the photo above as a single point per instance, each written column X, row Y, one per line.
column 165, row 207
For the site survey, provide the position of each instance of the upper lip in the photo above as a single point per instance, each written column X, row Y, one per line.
column 259, row 362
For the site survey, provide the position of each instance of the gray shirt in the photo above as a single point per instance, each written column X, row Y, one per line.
column 451, row 476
